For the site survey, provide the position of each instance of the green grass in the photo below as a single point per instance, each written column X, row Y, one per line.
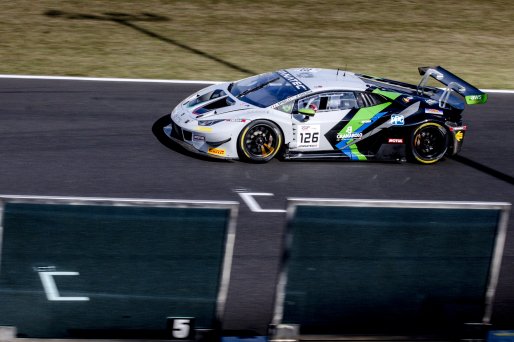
column 225, row 40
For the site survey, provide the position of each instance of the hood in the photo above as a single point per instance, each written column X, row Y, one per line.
column 213, row 101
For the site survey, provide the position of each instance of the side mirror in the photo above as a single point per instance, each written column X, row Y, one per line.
column 307, row 111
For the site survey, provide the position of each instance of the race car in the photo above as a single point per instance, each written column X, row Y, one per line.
column 324, row 113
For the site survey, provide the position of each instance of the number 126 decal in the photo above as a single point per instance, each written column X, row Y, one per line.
column 307, row 136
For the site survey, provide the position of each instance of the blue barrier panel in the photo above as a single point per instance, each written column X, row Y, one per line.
column 500, row 336
column 244, row 339
column 372, row 267
column 113, row 268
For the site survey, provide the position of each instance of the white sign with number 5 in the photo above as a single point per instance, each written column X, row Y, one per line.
column 307, row 136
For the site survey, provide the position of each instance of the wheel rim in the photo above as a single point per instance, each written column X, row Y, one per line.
column 429, row 143
column 260, row 142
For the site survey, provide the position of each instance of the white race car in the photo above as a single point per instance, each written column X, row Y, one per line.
column 324, row 113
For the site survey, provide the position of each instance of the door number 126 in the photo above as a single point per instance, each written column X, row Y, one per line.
column 306, row 138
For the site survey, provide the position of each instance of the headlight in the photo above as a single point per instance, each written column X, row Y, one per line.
column 213, row 122
column 209, row 122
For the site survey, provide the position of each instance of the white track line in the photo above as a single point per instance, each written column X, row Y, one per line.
column 503, row 91
column 107, row 79
column 146, row 80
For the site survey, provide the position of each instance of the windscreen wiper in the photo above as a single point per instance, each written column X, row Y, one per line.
column 247, row 91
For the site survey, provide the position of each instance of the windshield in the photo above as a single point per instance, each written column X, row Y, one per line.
column 267, row 89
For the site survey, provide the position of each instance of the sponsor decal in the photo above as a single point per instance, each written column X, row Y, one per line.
column 431, row 102
column 305, row 75
column 434, row 111
column 395, row 141
column 217, row 151
column 293, row 80
column 459, row 128
column 397, row 120
column 292, row 98
column 349, row 134
column 459, row 136
column 475, row 97
column 197, row 137
column 308, row 136
column 407, row 99
column 365, row 121
column 345, row 136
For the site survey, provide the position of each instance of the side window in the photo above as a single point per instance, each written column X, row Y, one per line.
column 329, row 101
column 312, row 102
column 341, row 101
column 369, row 99
column 286, row 107
column 377, row 99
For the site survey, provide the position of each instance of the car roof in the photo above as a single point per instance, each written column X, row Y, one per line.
column 327, row 79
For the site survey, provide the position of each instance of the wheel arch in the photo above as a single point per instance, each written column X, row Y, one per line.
column 241, row 149
column 411, row 136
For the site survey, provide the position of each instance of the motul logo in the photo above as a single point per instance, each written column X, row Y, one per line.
column 395, row 141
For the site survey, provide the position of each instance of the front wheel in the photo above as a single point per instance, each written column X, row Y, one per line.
column 260, row 141
column 429, row 143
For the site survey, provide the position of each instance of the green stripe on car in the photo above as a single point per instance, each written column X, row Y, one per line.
column 362, row 115
column 355, row 152
column 389, row 94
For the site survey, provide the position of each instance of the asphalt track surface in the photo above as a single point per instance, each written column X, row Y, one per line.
column 102, row 139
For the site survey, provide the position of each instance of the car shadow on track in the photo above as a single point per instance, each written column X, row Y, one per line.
column 158, row 132
column 484, row 168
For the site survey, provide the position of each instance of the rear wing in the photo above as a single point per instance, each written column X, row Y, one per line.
column 471, row 94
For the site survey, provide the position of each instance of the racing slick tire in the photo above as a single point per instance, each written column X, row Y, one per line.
column 259, row 141
column 428, row 143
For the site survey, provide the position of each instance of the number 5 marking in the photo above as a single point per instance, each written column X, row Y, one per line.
column 47, row 279
column 181, row 328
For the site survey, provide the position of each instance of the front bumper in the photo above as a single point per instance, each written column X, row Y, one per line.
column 201, row 141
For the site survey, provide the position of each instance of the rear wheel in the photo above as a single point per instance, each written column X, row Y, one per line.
column 429, row 143
column 260, row 141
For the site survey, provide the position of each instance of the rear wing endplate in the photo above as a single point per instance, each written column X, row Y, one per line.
column 471, row 94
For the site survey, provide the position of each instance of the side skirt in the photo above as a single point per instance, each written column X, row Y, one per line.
column 386, row 152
